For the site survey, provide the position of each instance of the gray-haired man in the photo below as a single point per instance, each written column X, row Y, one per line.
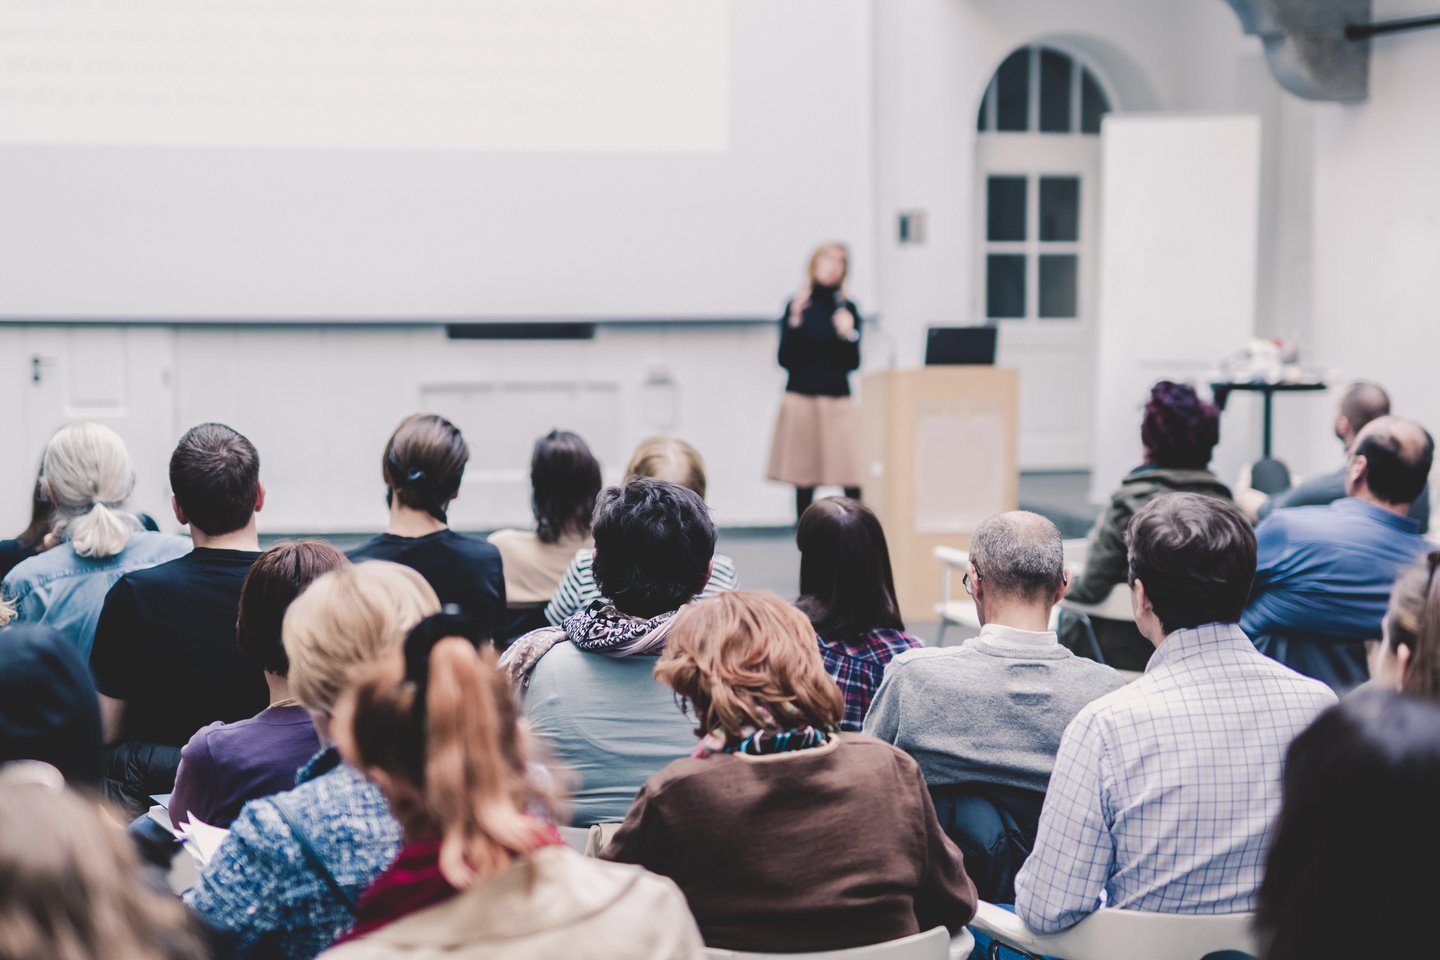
column 992, row 710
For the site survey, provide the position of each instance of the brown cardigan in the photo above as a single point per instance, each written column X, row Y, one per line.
column 818, row 849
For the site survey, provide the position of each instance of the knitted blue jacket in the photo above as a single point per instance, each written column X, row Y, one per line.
column 262, row 892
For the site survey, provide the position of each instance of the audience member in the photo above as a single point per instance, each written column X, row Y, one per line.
column 48, row 708
column 1357, row 828
column 848, row 592
column 225, row 765
column 1408, row 655
column 1178, row 432
column 284, row 883
column 659, row 458
column 165, row 659
column 786, row 835
column 482, row 872
column 87, row 477
column 1325, row 573
column 73, row 884
column 36, row 537
column 1361, row 403
column 987, row 716
column 564, row 482
column 589, row 686
column 1164, row 792
column 423, row 465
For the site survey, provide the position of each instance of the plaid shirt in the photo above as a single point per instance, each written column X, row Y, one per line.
column 858, row 666
column 1164, row 792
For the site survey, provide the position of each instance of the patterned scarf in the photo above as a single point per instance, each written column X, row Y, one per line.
column 760, row 742
column 600, row 628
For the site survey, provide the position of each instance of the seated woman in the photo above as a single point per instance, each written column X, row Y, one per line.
column 1408, row 655
column 285, row 881
column 564, row 482
column 848, row 592
column 423, row 465
column 74, row 886
column 589, row 687
column 1357, row 826
column 1178, row 431
column 785, row 835
column 226, row 765
column 660, row 458
column 87, row 475
column 482, row 871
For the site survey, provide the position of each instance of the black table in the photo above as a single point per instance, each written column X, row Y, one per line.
column 1222, row 390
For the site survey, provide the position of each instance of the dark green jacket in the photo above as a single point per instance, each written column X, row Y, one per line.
column 1105, row 563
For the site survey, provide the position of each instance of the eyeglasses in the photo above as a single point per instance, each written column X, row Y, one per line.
column 965, row 581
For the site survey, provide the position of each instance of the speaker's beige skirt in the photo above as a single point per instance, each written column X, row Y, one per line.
column 817, row 442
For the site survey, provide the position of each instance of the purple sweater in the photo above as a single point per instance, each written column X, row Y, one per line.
column 227, row 764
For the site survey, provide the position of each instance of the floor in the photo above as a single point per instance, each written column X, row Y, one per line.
column 766, row 558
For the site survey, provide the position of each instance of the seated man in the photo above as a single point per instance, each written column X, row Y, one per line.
column 991, row 711
column 1361, row 403
column 1325, row 573
column 1164, row 792
column 165, row 659
column 589, row 687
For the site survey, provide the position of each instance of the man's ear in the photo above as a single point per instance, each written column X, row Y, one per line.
column 180, row 517
column 1064, row 587
column 1355, row 475
column 259, row 497
column 1140, row 604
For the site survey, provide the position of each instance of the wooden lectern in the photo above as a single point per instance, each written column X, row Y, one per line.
column 939, row 455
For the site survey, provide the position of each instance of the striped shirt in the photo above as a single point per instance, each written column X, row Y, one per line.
column 577, row 588
column 1164, row 792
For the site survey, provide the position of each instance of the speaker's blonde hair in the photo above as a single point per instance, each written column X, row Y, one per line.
column 88, row 476
column 350, row 617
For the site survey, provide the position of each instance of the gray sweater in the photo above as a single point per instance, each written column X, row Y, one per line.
column 989, row 711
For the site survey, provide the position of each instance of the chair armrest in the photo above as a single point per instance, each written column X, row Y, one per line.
column 1114, row 607
column 1002, row 925
column 962, row 945
column 952, row 556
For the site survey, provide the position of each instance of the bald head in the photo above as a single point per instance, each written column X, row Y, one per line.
column 1019, row 554
column 1391, row 461
column 1362, row 402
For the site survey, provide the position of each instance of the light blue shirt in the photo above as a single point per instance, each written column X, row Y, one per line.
column 609, row 722
column 66, row 591
column 1164, row 792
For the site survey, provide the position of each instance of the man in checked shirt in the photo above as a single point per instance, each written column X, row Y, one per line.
column 1164, row 792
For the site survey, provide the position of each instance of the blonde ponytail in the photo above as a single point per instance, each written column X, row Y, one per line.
column 88, row 476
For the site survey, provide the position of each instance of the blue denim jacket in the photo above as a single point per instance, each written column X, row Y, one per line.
column 66, row 591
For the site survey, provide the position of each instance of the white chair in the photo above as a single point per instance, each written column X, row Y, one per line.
column 1122, row 935
column 575, row 837
column 931, row 945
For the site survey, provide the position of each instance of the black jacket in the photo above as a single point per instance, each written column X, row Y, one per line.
column 819, row 359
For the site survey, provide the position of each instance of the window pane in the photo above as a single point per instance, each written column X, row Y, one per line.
column 1060, row 208
column 1055, row 73
column 1093, row 104
column 1057, row 285
column 1005, row 285
column 1012, row 113
column 1005, row 208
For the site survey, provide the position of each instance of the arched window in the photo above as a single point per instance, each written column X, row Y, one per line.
column 1039, row 158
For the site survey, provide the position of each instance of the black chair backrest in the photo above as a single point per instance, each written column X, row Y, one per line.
column 994, row 827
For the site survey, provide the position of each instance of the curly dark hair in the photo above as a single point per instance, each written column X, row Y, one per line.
column 1180, row 429
column 653, row 544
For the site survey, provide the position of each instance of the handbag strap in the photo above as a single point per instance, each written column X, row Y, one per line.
column 313, row 855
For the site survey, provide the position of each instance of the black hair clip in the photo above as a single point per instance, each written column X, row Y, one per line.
column 421, row 640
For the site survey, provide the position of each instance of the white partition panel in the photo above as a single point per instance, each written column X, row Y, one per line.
column 1180, row 203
